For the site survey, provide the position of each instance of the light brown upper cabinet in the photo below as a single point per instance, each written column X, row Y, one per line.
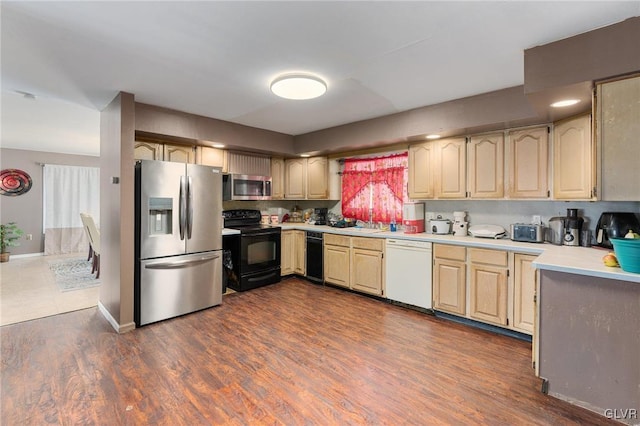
column 451, row 168
column 295, row 185
column 306, row 178
column 214, row 157
column 573, row 176
column 617, row 132
column 486, row 166
column 277, row 178
column 180, row 153
column 317, row 178
column 528, row 163
column 147, row 151
column 421, row 160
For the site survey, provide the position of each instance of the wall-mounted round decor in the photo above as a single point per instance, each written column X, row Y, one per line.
column 14, row 182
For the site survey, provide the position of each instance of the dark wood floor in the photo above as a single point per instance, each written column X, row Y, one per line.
column 293, row 353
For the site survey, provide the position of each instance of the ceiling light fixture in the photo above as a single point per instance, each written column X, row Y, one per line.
column 305, row 155
column 565, row 103
column 298, row 86
column 433, row 136
column 218, row 145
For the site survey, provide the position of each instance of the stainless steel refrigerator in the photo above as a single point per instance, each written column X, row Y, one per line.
column 178, row 239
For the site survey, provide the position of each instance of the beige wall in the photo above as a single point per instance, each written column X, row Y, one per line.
column 117, row 136
column 27, row 210
column 165, row 122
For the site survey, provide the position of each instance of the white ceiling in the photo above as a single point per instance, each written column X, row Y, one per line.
column 216, row 59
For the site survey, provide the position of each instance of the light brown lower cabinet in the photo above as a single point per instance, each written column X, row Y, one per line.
column 524, row 290
column 354, row 262
column 292, row 252
column 449, row 279
column 487, row 285
column 367, row 265
column 337, row 259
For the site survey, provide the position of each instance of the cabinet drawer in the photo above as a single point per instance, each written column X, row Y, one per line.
column 336, row 240
column 367, row 243
column 445, row 251
column 489, row 257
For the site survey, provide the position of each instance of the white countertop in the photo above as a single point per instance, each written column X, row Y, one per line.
column 229, row 231
column 574, row 260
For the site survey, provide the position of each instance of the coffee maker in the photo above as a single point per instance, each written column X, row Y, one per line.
column 320, row 215
column 572, row 228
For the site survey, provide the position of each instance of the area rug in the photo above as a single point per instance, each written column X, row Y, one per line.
column 73, row 274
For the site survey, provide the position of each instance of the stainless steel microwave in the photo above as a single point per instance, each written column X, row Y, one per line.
column 246, row 187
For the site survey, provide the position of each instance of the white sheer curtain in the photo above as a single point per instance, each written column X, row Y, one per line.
column 69, row 191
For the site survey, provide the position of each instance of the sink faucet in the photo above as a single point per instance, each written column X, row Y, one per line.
column 370, row 218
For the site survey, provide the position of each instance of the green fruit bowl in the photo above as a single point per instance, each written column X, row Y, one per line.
column 628, row 253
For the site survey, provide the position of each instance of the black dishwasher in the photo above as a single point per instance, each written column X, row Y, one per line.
column 314, row 256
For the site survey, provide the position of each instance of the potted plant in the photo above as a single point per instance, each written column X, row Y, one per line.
column 9, row 235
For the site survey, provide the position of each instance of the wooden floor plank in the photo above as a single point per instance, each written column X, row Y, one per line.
column 292, row 353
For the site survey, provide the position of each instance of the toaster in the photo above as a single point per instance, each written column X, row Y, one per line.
column 527, row 233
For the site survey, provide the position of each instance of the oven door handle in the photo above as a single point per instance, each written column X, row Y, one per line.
column 181, row 263
column 258, row 234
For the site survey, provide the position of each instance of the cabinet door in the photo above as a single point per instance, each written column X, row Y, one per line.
column 179, row 153
column 213, row 157
column 618, row 127
column 317, row 178
column 488, row 293
column 486, row 166
column 147, row 151
column 449, row 286
column 277, row 178
column 300, row 254
column 572, row 159
column 524, row 276
column 295, row 178
column 421, row 157
column 367, row 271
column 336, row 265
column 287, row 251
column 451, row 163
column 527, row 162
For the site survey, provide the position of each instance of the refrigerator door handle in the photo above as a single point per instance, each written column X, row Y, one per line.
column 183, row 206
column 189, row 207
column 182, row 263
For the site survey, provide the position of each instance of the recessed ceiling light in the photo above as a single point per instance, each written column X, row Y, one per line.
column 565, row 103
column 433, row 136
column 218, row 145
column 305, row 155
column 298, row 86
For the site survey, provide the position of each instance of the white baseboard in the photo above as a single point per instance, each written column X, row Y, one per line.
column 117, row 327
column 21, row 256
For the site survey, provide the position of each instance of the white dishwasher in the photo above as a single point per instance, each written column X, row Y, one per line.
column 408, row 272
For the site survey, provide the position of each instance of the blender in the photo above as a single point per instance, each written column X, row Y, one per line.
column 459, row 224
column 572, row 227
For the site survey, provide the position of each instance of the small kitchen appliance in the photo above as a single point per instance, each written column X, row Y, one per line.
column 615, row 225
column 413, row 216
column 528, row 233
column 440, row 225
column 459, row 224
column 572, row 228
column 555, row 231
column 487, row 231
column 320, row 215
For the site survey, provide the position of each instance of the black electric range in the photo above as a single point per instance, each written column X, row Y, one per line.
column 255, row 252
